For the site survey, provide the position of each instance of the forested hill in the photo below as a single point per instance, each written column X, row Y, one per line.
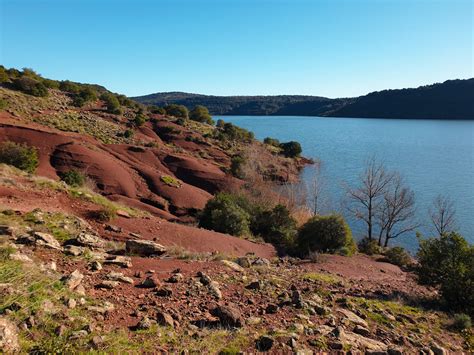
column 452, row 99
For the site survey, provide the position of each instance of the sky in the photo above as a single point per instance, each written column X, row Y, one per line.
column 332, row 48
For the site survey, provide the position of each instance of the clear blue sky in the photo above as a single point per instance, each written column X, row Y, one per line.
column 333, row 48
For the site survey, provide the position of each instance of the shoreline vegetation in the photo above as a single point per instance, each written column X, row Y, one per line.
column 169, row 232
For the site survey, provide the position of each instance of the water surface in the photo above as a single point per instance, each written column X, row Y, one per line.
column 435, row 157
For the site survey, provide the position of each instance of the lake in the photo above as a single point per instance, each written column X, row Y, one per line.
column 434, row 156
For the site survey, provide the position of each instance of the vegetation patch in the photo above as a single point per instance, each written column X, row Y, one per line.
column 319, row 277
column 170, row 181
column 20, row 156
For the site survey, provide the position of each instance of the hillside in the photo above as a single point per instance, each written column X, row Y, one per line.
column 448, row 100
column 102, row 247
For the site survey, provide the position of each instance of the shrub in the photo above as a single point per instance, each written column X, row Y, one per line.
column 170, row 181
column 448, row 262
column 30, row 86
column 4, row 77
column 326, row 234
column 177, row 111
column 291, row 149
column 51, row 84
column 84, row 95
column 231, row 132
column 19, row 155
column 398, row 256
column 201, row 114
column 125, row 101
column 220, row 123
column 272, row 141
column 157, row 110
column 461, row 321
column 73, row 178
column 3, row 104
column 276, row 226
column 369, row 246
column 236, row 163
column 139, row 120
column 128, row 133
column 111, row 102
column 69, row 86
column 104, row 215
column 226, row 213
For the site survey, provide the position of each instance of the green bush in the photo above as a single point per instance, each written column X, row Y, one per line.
column 125, row 101
column 30, row 86
column 230, row 132
column 448, row 262
column 369, row 246
column 325, row 234
column 201, row 114
column 19, row 155
column 51, row 84
column 461, row 321
column 4, row 77
column 128, row 133
column 73, row 178
column 84, row 95
column 3, row 104
column 139, row 120
column 157, row 110
column 291, row 149
column 226, row 213
column 236, row 164
column 276, row 226
column 398, row 256
column 69, row 86
column 111, row 102
column 177, row 111
column 272, row 141
column 220, row 123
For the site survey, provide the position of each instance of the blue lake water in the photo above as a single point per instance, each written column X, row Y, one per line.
column 434, row 156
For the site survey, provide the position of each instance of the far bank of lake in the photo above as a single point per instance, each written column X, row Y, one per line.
column 435, row 157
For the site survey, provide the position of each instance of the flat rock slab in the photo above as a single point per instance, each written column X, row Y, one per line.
column 143, row 247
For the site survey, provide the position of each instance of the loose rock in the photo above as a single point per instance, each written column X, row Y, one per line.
column 144, row 247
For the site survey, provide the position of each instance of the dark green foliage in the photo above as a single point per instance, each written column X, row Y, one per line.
column 220, row 123
column 69, row 87
column 19, row 155
column 230, row 132
column 226, row 213
column 291, row 149
column 369, row 247
column 201, row 114
column 276, row 226
column 30, row 86
column 272, row 141
column 325, row 234
column 448, row 262
column 128, row 133
column 111, row 102
column 139, row 120
column 398, row 256
column 4, row 78
column 181, row 121
column 51, row 84
column 73, row 178
column 84, row 95
column 177, row 111
column 125, row 101
column 157, row 110
column 461, row 321
column 236, row 163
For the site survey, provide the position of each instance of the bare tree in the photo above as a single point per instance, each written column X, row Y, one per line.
column 396, row 215
column 314, row 189
column 442, row 215
column 365, row 200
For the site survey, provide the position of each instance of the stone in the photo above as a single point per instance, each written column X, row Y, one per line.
column 20, row 257
column 204, row 279
column 322, row 310
column 165, row 319
column 97, row 341
column 105, row 308
column 271, row 308
column 297, row 299
column 80, row 290
column 122, row 213
column 144, row 324
column 394, row 351
column 214, row 289
column 361, row 330
column 8, row 336
column 254, row 320
column 73, row 280
column 261, row 262
column 143, row 247
column 71, row 303
column 6, row 230
column 46, row 240
column 255, row 285
column 438, row 350
column 78, row 334
column 175, row 278
column 107, row 284
column 150, row 282
column 264, row 343
column 353, row 318
column 232, row 265
column 88, row 240
column 118, row 276
column 229, row 315
column 73, row 250
column 244, row 261
column 164, row 292
column 95, row 265
column 112, row 228
column 119, row 260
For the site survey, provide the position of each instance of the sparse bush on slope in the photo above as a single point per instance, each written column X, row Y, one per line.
column 20, row 156
column 30, row 86
column 201, row 114
column 179, row 111
column 111, row 102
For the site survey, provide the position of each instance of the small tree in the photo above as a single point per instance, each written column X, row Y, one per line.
column 69, row 86
column 448, row 262
column 139, row 120
column 157, row 110
column 84, row 95
column 325, row 234
column 291, row 149
column 73, row 178
column 443, row 215
column 111, row 102
column 30, row 86
column 20, row 156
column 178, row 111
column 201, row 114
column 271, row 141
column 365, row 199
column 220, row 123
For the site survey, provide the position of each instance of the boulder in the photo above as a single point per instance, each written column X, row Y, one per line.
column 88, row 240
column 108, row 284
column 119, row 260
column 264, row 343
column 73, row 280
column 150, row 282
column 8, row 337
column 143, row 247
column 204, row 278
column 73, row 250
column 232, row 265
column 165, row 319
column 118, row 276
column 229, row 315
column 353, row 318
